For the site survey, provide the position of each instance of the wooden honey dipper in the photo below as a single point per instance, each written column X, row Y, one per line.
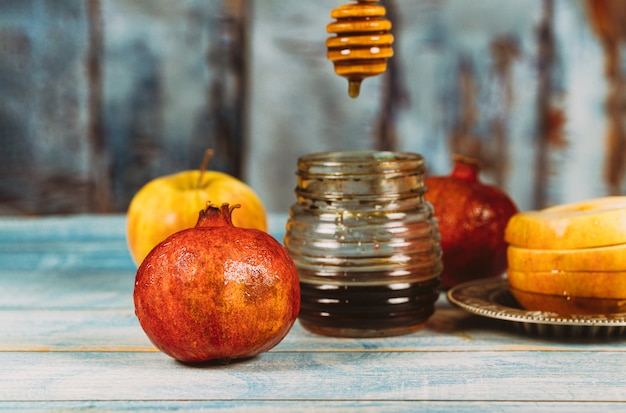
column 362, row 43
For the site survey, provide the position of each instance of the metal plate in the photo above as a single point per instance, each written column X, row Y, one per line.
column 491, row 298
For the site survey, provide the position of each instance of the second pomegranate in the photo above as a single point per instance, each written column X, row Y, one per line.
column 472, row 217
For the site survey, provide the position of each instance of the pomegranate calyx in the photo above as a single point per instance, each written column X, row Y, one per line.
column 465, row 168
column 216, row 216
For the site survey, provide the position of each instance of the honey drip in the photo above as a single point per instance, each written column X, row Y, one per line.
column 362, row 43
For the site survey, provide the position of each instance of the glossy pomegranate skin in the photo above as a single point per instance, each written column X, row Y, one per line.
column 472, row 217
column 217, row 292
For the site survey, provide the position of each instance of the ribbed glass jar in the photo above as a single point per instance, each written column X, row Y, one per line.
column 365, row 243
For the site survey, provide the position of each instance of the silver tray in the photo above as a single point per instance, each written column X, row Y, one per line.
column 491, row 298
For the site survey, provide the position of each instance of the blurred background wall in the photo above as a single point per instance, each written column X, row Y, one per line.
column 98, row 97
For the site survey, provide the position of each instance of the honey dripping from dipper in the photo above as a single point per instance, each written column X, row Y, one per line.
column 362, row 43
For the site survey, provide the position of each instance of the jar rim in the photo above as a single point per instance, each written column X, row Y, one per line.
column 360, row 162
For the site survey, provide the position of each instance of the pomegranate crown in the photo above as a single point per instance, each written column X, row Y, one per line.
column 214, row 215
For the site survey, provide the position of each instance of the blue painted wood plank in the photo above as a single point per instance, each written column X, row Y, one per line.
column 308, row 406
column 59, row 256
column 66, row 289
column 59, row 228
column 104, row 329
column 71, row 330
column 88, row 227
column 442, row 376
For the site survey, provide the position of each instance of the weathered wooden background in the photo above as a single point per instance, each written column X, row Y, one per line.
column 97, row 97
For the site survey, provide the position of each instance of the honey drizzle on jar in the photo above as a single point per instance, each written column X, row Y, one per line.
column 362, row 43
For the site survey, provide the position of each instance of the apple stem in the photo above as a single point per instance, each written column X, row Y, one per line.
column 208, row 155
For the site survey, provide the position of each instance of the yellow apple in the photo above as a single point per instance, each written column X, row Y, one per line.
column 612, row 258
column 593, row 223
column 172, row 203
column 597, row 284
column 565, row 305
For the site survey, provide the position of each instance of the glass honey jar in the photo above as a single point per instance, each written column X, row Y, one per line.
column 365, row 243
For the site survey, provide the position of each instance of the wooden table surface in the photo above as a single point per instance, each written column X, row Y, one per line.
column 69, row 341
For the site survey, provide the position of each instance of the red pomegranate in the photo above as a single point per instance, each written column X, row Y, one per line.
column 472, row 217
column 217, row 291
